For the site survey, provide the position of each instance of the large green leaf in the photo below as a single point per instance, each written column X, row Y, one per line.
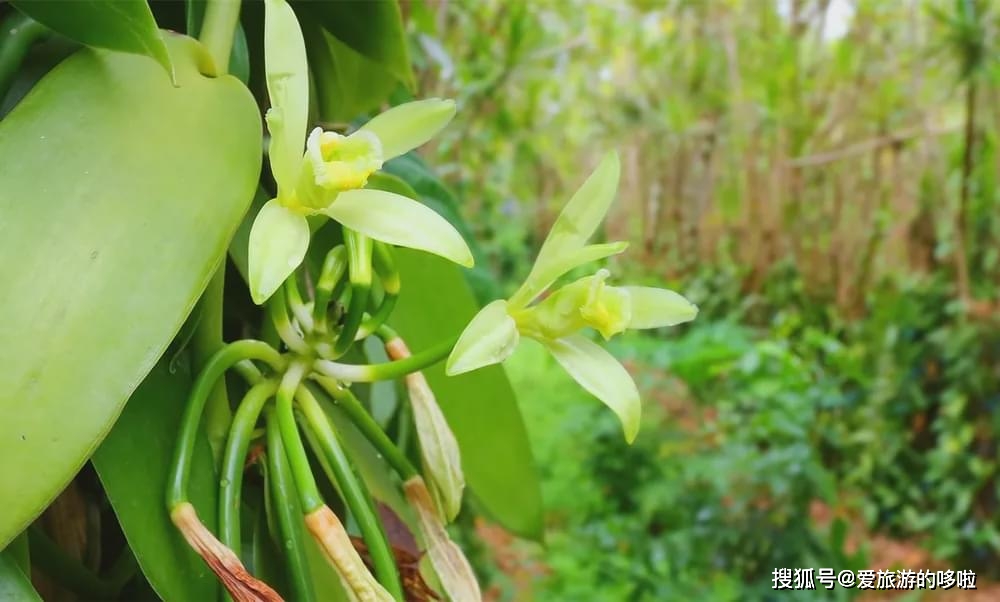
column 111, row 24
column 134, row 464
column 373, row 28
column 480, row 406
column 14, row 585
column 118, row 197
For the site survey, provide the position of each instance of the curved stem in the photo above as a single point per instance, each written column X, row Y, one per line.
column 297, row 305
column 248, row 371
column 218, row 30
column 368, row 427
column 334, row 267
column 366, row 373
column 305, row 483
column 20, row 32
column 231, row 482
column 285, row 498
column 213, row 370
column 355, row 494
column 374, row 321
column 359, row 257
column 206, row 341
column 277, row 310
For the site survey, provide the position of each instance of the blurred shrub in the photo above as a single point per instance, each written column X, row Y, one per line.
column 763, row 407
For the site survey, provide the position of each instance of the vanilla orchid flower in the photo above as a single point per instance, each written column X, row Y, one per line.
column 328, row 177
column 557, row 321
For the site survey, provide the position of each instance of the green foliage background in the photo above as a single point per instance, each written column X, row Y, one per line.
column 828, row 200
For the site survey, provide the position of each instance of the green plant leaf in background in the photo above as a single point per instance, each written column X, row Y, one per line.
column 374, row 29
column 480, row 407
column 134, row 463
column 348, row 84
column 111, row 24
column 14, row 585
column 119, row 194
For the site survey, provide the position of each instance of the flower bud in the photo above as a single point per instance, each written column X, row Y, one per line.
column 240, row 584
column 450, row 564
column 439, row 452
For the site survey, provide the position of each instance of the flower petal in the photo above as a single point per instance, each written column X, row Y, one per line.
column 658, row 307
column 584, row 212
column 601, row 375
column 405, row 127
column 544, row 274
column 399, row 220
column 279, row 238
column 287, row 75
column 489, row 339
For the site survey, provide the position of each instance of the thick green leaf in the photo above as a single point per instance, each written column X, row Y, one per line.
column 480, row 406
column 432, row 192
column 348, row 84
column 14, row 585
column 134, row 464
column 111, row 24
column 373, row 28
column 119, row 194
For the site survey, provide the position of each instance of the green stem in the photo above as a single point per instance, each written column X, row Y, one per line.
column 373, row 322
column 248, row 371
column 277, row 310
column 366, row 373
column 213, row 370
column 218, row 31
column 295, row 303
column 285, row 498
column 385, row 267
column 19, row 33
column 65, row 570
column 297, row 459
column 368, row 427
column 359, row 257
column 334, row 267
column 231, row 483
column 206, row 342
column 355, row 495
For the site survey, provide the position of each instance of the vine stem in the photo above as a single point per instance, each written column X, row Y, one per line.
column 285, row 498
column 231, row 483
column 301, row 472
column 218, row 30
column 216, row 366
column 368, row 427
column 217, row 33
column 353, row 490
column 20, row 32
column 366, row 373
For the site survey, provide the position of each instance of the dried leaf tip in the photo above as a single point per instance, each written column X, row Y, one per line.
column 439, row 452
column 240, row 584
column 453, row 569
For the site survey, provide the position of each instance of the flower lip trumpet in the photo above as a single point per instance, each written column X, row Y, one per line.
column 328, row 173
column 336, row 164
column 558, row 320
